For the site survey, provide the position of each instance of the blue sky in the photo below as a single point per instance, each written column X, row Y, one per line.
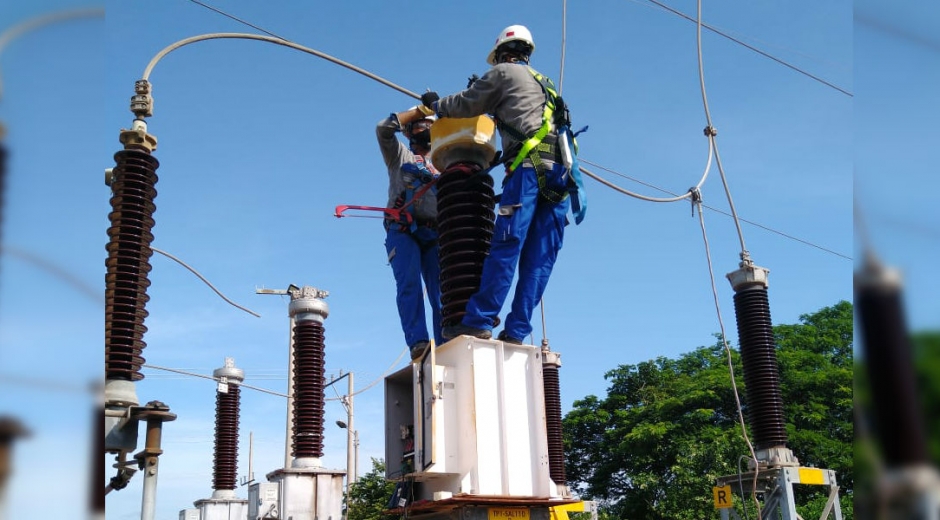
column 258, row 143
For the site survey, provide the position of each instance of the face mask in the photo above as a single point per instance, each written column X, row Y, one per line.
column 421, row 140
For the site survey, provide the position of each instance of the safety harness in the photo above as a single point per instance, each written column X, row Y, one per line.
column 412, row 193
column 542, row 144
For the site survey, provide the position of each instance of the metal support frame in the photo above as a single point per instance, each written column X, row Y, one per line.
column 775, row 484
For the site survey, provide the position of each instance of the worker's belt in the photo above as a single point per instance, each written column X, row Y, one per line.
column 432, row 224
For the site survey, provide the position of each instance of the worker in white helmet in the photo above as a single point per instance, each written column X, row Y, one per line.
column 535, row 200
column 411, row 238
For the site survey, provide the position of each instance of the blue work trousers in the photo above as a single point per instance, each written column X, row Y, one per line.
column 529, row 231
column 413, row 257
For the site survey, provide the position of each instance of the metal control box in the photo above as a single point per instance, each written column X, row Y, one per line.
column 189, row 514
column 262, row 501
column 478, row 416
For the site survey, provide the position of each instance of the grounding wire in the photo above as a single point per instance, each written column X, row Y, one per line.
column 716, row 210
column 182, row 263
column 277, row 41
column 751, row 47
column 724, row 341
column 42, row 20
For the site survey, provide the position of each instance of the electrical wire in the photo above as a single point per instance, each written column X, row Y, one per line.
column 53, row 269
column 193, row 374
column 276, row 41
column 724, row 341
column 42, row 20
column 677, row 198
column 239, row 20
column 712, row 133
column 376, row 380
column 716, row 210
column 182, row 263
column 751, row 47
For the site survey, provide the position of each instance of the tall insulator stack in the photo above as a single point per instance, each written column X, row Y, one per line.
column 462, row 150
column 225, row 470
column 759, row 357
column 308, row 311
column 465, row 202
column 889, row 358
column 133, row 190
column 224, row 505
column 551, row 362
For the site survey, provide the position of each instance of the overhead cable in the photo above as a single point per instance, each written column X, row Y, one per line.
column 751, row 47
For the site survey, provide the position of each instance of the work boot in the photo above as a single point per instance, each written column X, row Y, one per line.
column 418, row 349
column 505, row 338
column 462, row 330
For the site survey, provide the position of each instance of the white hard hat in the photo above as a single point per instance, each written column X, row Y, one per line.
column 509, row 34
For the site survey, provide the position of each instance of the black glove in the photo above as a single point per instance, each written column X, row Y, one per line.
column 428, row 98
column 471, row 79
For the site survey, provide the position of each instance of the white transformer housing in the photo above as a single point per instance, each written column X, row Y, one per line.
column 478, row 415
column 227, row 509
column 189, row 514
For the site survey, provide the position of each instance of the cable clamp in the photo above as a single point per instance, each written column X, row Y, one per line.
column 710, row 131
column 696, row 197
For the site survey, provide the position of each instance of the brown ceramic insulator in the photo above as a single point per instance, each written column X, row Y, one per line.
column 309, row 371
column 761, row 375
column 128, row 263
column 465, row 203
column 556, row 444
column 225, row 469
column 898, row 414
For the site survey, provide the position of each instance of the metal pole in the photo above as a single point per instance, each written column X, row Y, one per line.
column 351, row 445
column 150, row 462
column 290, row 395
column 356, row 466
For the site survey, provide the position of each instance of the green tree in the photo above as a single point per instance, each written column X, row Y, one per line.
column 369, row 495
column 668, row 428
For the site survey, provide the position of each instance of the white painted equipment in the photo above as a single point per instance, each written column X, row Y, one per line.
column 476, row 411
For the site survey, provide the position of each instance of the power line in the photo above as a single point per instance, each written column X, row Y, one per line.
column 751, row 47
column 751, row 222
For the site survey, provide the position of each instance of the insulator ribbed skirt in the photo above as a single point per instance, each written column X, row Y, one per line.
column 556, row 444
column 761, row 375
column 128, row 263
column 889, row 359
column 465, row 202
column 309, row 372
column 225, row 471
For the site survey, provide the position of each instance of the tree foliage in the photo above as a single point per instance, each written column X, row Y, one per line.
column 654, row 446
column 369, row 495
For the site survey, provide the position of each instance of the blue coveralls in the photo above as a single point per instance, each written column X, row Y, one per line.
column 412, row 250
column 413, row 257
column 530, row 230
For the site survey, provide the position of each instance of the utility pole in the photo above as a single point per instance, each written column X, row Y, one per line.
column 352, row 436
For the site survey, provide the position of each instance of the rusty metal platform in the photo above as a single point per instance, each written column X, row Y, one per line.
column 452, row 506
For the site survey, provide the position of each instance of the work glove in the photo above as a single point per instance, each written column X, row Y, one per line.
column 428, row 99
column 471, row 80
